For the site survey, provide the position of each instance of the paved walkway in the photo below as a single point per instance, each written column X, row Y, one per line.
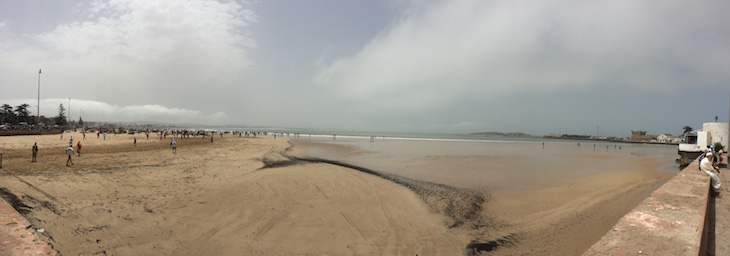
column 17, row 236
column 718, row 242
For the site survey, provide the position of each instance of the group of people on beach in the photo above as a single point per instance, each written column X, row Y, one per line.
column 173, row 144
column 708, row 165
column 70, row 149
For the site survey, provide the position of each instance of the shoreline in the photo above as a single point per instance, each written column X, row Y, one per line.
column 463, row 207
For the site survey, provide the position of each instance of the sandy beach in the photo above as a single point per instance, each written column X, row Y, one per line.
column 241, row 196
column 212, row 199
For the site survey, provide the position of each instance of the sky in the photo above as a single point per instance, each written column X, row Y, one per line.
column 538, row 67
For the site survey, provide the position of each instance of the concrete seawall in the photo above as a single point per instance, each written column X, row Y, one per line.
column 672, row 221
column 17, row 236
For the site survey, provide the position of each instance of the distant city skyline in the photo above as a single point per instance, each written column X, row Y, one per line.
column 394, row 66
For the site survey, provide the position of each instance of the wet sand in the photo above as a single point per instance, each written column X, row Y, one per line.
column 240, row 196
column 550, row 202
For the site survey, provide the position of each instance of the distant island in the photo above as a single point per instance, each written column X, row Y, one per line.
column 651, row 139
column 502, row 134
column 563, row 136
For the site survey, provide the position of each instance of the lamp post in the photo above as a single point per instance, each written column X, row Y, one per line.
column 69, row 112
column 38, row 109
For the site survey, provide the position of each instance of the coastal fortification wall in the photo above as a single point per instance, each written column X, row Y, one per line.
column 671, row 221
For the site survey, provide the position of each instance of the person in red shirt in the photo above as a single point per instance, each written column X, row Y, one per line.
column 78, row 147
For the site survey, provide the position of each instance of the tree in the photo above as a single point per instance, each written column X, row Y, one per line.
column 8, row 116
column 687, row 129
column 61, row 118
column 23, row 113
column 718, row 146
column 81, row 121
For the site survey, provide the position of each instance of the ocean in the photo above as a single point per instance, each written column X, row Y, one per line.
column 482, row 162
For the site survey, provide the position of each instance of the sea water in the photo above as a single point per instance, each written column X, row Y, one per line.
column 483, row 162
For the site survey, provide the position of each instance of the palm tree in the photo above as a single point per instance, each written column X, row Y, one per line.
column 23, row 113
column 7, row 114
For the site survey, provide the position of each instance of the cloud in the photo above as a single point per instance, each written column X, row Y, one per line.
column 120, row 46
column 442, row 52
column 97, row 111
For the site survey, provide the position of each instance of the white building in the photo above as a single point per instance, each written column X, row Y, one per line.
column 719, row 132
column 697, row 141
column 665, row 138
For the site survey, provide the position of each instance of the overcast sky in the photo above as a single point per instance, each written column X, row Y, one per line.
column 537, row 67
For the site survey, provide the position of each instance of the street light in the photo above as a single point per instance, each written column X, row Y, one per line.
column 38, row 109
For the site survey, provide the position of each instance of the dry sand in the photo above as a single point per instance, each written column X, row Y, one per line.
column 212, row 200
column 218, row 199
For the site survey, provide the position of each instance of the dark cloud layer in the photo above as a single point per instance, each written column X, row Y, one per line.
column 427, row 66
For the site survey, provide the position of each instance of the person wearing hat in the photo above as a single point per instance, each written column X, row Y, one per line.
column 707, row 167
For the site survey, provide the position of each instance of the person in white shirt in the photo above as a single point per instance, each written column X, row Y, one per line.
column 707, row 167
column 69, row 152
column 173, row 145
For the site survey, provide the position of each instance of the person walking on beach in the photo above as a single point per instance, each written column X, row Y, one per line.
column 69, row 152
column 173, row 145
column 135, row 141
column 71, row 141
column 35, row 151
column 78, row 147
column 707, row 167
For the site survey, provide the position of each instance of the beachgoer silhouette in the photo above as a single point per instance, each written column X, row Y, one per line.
column 35, row 151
